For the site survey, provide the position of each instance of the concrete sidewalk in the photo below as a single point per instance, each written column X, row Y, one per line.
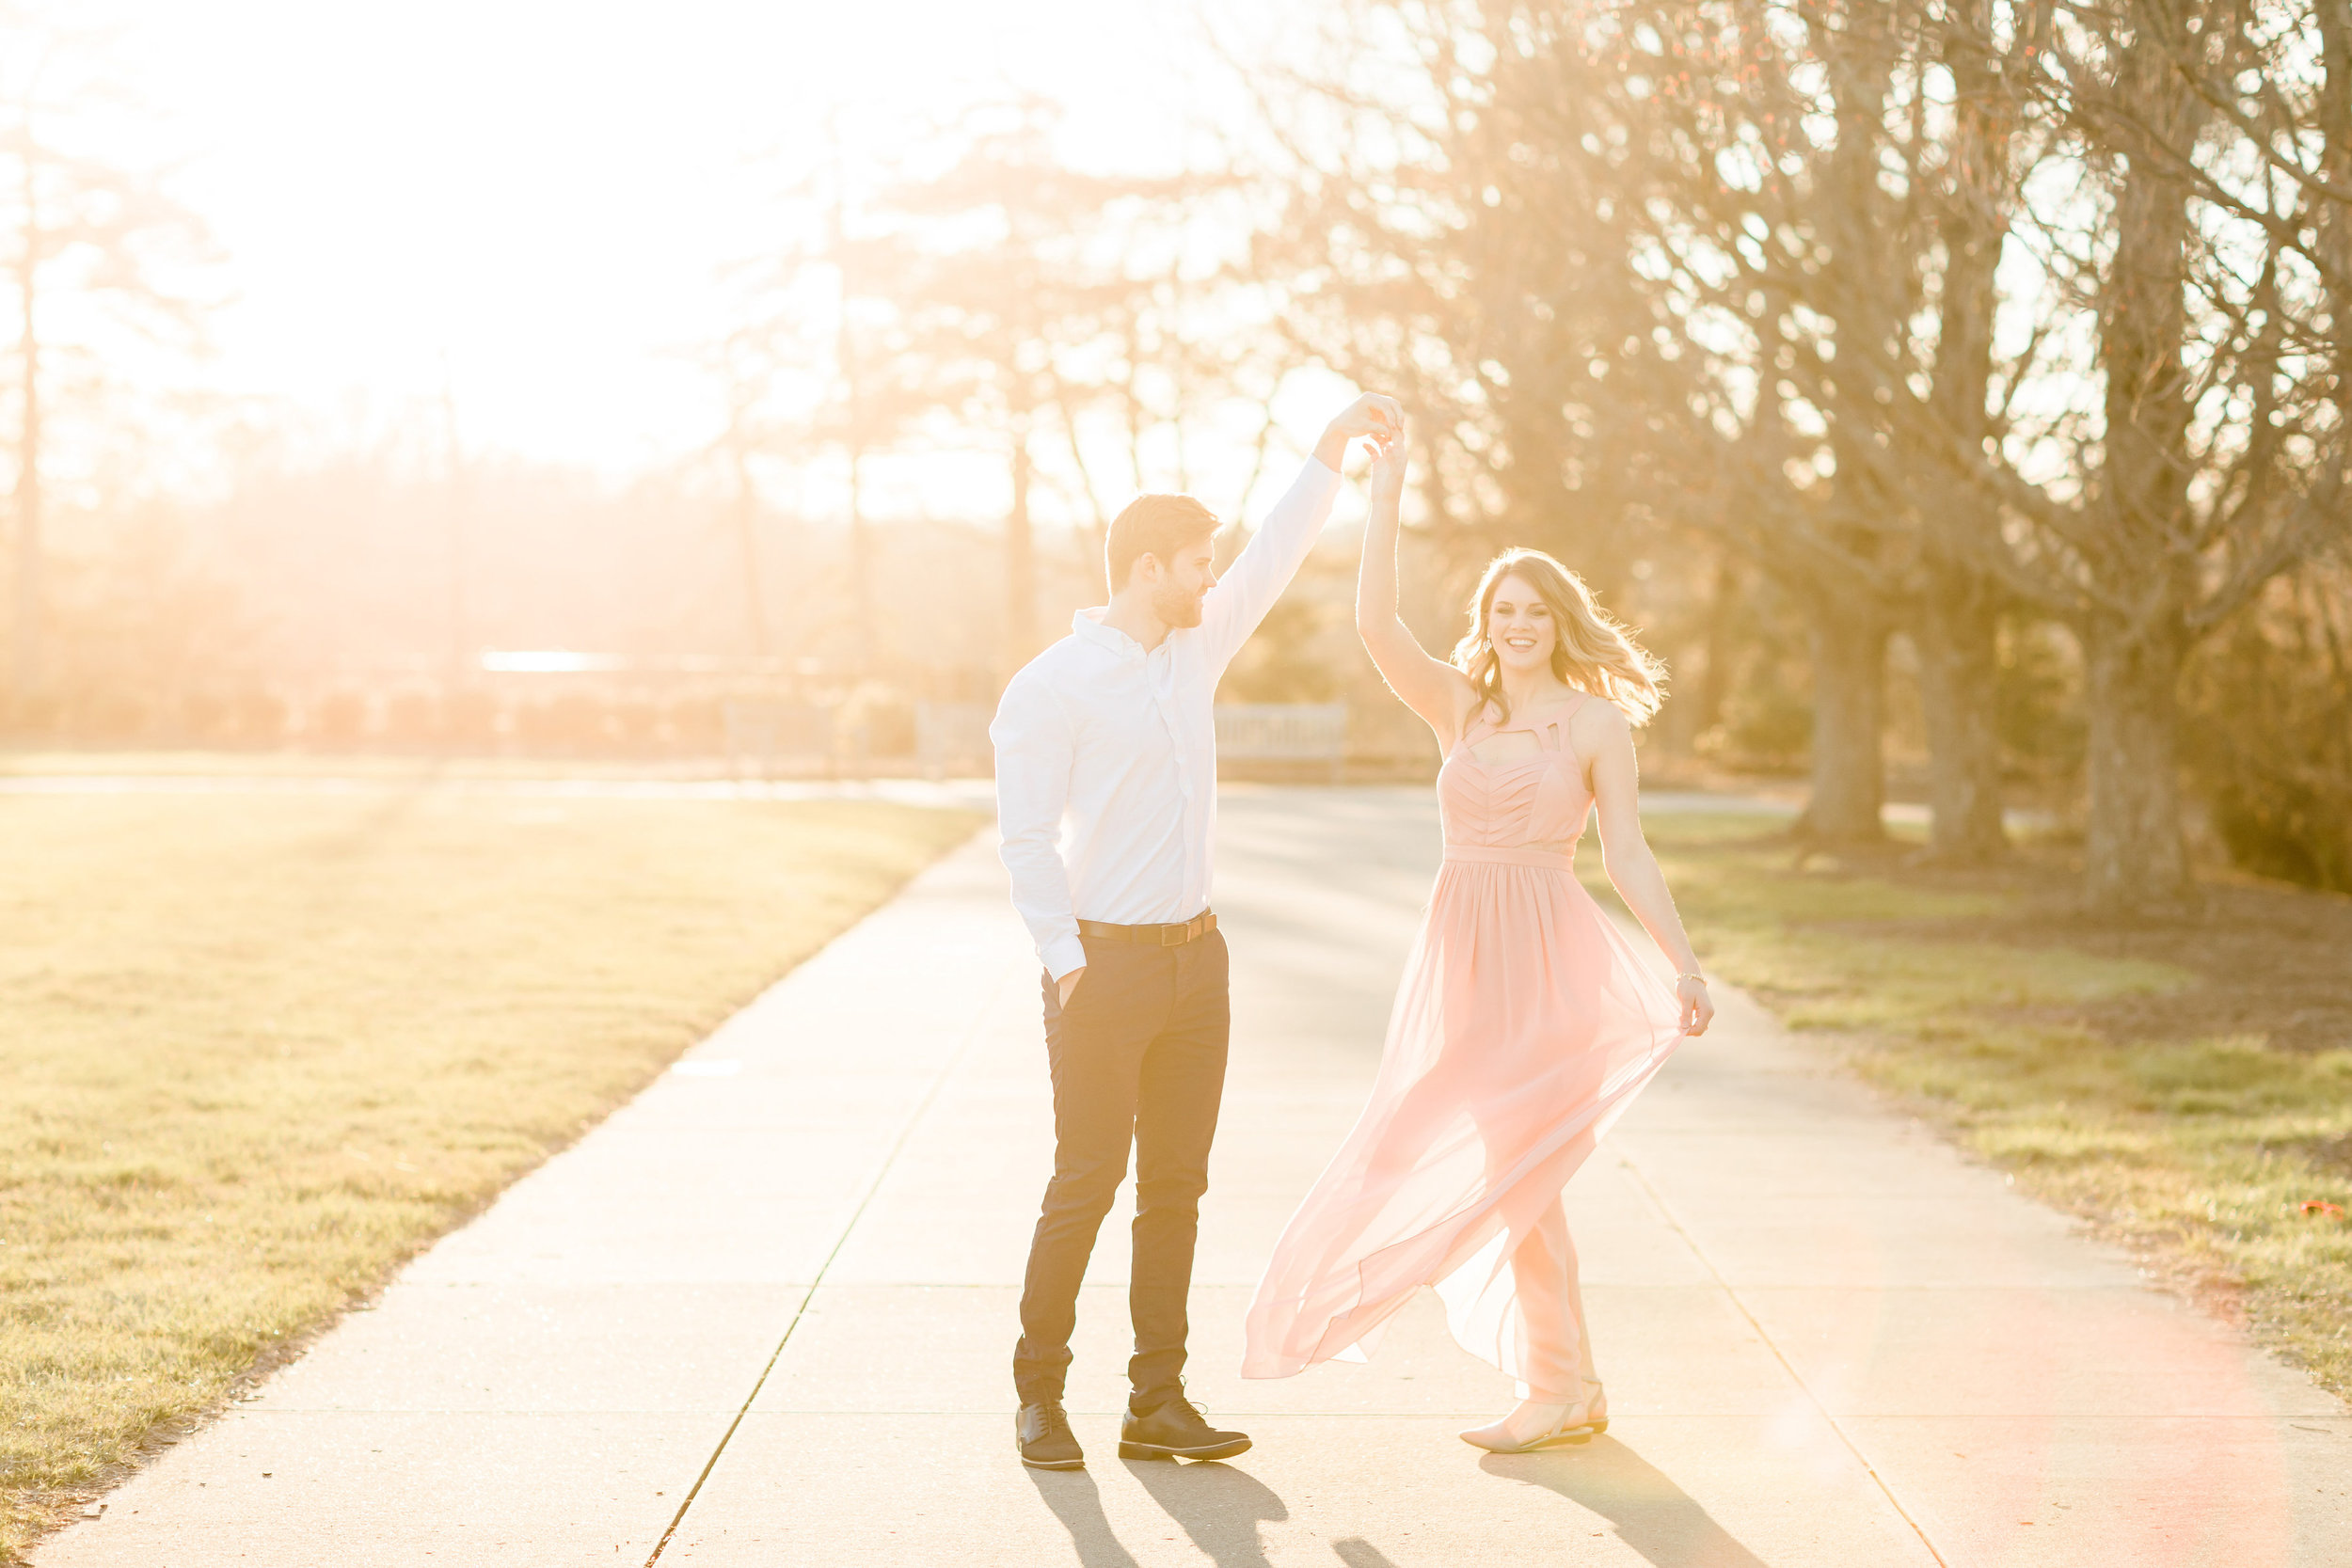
column 762, row 1316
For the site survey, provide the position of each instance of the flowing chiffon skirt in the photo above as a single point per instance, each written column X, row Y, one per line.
column 1525, row 1023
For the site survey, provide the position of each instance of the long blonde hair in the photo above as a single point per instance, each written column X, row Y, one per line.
column 1592, row 652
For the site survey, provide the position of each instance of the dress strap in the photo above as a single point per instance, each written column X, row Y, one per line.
column 1568, row 742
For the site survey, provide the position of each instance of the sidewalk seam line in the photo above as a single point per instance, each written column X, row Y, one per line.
column 1732, row 1294
column 915, row 1117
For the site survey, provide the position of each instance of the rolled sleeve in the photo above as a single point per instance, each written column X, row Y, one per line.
column 1035, row 744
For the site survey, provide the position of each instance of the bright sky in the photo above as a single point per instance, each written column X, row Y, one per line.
column 538, row 196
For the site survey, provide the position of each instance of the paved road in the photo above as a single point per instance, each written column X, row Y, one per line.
column 762, row 1316
column 976, row 794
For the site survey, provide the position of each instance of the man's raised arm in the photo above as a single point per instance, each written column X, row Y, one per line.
column 1034, row 746
column 1274, row 554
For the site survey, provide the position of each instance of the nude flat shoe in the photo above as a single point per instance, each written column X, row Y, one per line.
column 1577, row 1424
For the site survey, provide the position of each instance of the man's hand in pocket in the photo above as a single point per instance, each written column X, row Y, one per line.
column 1070, row 983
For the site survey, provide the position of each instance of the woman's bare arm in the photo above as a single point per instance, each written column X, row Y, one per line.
column 1430, row 687
column 1603, row 736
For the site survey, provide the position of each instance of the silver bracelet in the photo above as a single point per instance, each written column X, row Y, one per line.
column 1700, row 978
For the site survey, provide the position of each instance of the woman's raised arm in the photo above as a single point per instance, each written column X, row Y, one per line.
column 1430, row 687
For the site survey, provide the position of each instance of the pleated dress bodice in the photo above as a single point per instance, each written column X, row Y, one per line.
column 1534, row 802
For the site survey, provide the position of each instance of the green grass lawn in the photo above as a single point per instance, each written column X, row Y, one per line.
column 2188, row 1087
column 257, row 1049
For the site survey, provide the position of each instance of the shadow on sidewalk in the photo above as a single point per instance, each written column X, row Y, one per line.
column 1653, row 1516
column 1218, row 1507
column 1072, row 1497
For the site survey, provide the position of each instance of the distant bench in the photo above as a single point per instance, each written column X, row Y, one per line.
column 1283, row 732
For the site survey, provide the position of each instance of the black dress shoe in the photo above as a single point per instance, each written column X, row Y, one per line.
column 1176, row 1429
column 1043, row 1432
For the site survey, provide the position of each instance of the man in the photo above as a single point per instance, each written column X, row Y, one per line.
column 1110, row 729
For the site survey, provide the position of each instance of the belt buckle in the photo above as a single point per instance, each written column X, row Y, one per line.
column 1175, row 936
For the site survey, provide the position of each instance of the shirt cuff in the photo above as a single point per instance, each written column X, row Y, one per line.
column 1062, row 955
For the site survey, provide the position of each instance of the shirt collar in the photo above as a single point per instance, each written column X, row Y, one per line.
column 1088, row 627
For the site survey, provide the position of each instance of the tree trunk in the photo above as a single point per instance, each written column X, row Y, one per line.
column 1714, row 685
column 1960, row 621
column 27, row 667
column 2136, row 861
column 860, row 569
column 1020, row 559
column 1849, row 715
column 1959, row 628
column 463, row 659
column 746, row 546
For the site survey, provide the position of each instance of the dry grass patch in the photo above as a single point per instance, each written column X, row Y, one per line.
column 258, row 1050
column 2188, row 1087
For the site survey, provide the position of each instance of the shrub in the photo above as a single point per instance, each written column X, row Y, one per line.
column 470, row 717
column 1286, row 661
column 881, row 720
column 412, row 718
column 2277, row 826
column 2268, row 732
column 340, row 719
column 32, row 714
column 1768, row 725
column 569, row 721
column 2037, row 698
column 258, row 716
column 635, row 723
column 694, row 724
column 111, row 714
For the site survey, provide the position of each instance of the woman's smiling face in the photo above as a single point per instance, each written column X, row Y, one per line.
column 1521, row 625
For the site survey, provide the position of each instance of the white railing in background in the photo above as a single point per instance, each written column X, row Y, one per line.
column 1283, row 732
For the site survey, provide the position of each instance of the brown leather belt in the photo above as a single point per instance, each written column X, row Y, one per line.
column 1152, row 936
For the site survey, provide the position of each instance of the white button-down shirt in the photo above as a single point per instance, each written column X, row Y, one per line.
column 1106, row 754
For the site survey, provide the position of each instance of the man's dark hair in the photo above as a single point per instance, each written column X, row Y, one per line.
column 1156, row 526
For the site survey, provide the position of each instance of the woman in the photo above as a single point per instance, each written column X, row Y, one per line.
column 1527, row 1020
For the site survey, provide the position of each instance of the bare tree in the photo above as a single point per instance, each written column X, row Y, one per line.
column 1033, row 292
column 1657, row 246
column 819, row 365
column 1965, row 168
column 743, row 439
column 77, row 226
column 2176, row 430
column 1927, row 307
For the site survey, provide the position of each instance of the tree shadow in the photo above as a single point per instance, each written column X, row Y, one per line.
column 1072, row 1497
column 1219, row 1506
column 1653, row 1516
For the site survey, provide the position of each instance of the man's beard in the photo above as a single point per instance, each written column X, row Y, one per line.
column 1176, row 606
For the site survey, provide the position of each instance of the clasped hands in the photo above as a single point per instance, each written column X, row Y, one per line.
column 1375, row 417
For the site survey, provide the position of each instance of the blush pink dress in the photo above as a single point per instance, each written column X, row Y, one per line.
column 1525, row 1025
